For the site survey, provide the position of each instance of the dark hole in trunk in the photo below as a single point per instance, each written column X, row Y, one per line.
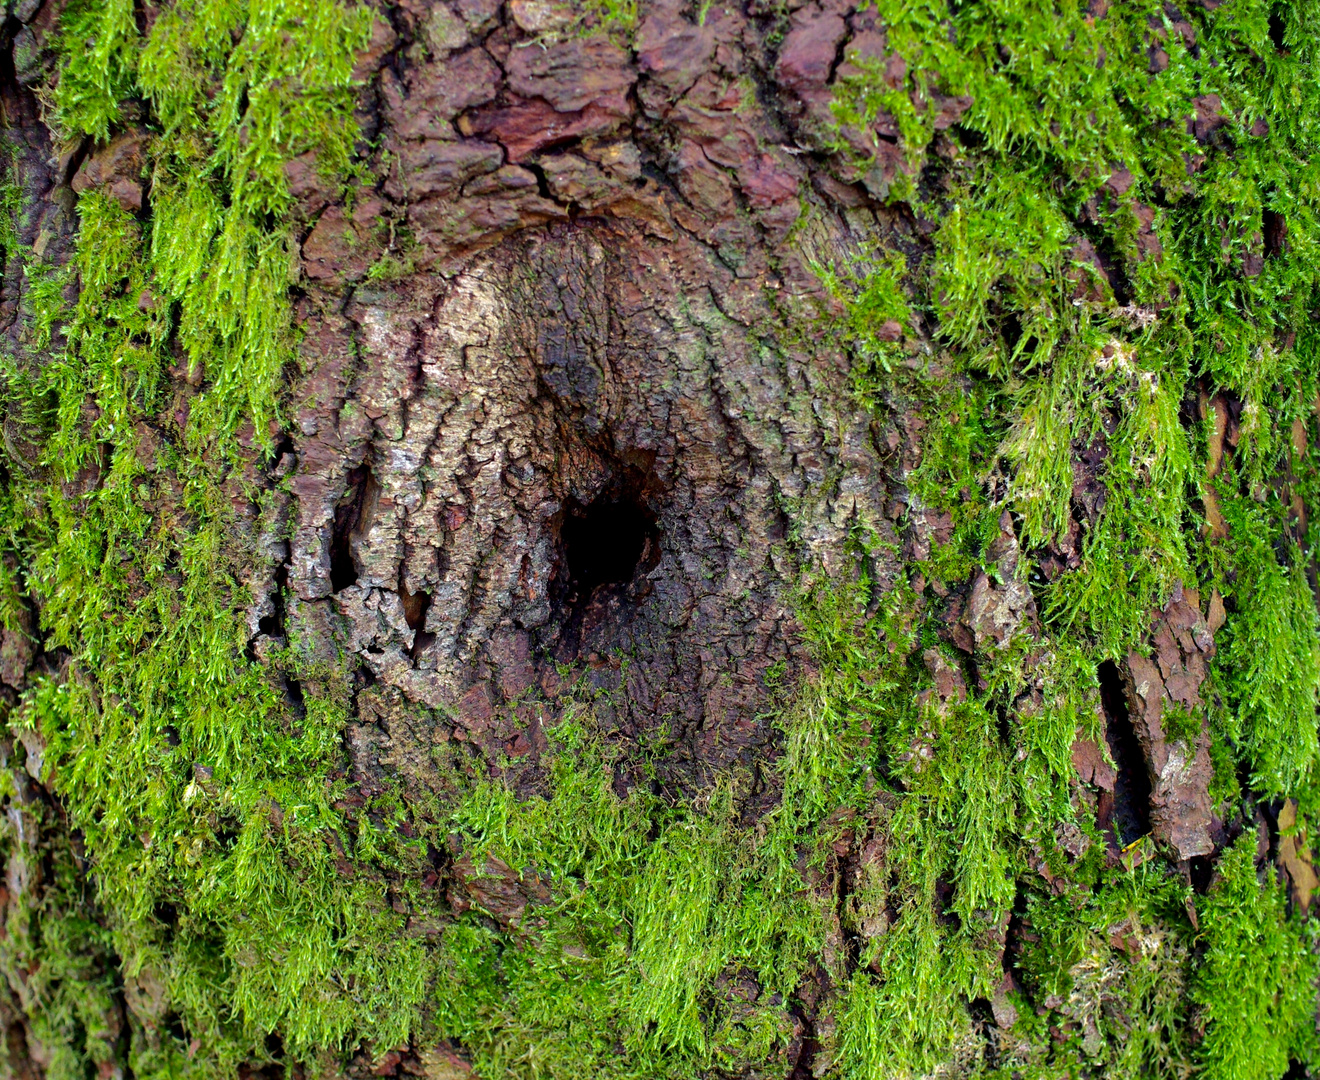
column 1011, row 329
column 605, row 541
column 944, row 891
column 226, row 834
column 174, row 1025
column 343, row 570
column 1131, row 815
column 982, row 1013
column 415, row 607
column 293, row 697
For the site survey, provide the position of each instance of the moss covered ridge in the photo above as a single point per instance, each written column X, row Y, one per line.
column 1108, row 353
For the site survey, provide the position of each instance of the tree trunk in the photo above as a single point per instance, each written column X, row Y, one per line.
column 761, row 539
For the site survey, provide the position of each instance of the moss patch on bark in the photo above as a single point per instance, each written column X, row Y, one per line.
column 1105, row 347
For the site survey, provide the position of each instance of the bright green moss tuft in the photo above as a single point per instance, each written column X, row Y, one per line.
column 1257, row 982
column 1270, row 663
column 1117, row 961
column 244, row 927
column 620, row 973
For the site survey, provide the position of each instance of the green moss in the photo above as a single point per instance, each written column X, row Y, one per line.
column 1090, row 396
column 99, row 45
column 1116, row 963
column 624, row 972
column 1269, row 665
column 875, row 310
column 261, row 932
column 70, row 965
column 1256, row 984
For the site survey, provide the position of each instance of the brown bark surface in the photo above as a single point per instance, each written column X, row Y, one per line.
column 602, row 325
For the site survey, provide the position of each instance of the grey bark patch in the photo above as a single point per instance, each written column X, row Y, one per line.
column 537, row 396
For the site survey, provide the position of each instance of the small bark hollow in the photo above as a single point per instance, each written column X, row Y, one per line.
column 608, row 542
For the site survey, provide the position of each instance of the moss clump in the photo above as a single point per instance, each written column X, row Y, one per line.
column 1093, row 321
column 203, row 802
column 1271, row 657
column 1256, row 982
column 619, row 971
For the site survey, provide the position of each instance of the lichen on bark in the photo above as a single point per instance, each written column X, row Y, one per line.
column 662, row 540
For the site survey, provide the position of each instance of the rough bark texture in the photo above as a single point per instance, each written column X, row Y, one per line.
column 606, row 305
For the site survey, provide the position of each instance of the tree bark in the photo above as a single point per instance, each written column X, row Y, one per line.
column 581, row 430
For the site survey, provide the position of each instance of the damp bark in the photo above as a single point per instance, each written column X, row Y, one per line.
column 580, row 432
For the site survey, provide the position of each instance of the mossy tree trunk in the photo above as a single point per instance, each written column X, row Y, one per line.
column 660, row 540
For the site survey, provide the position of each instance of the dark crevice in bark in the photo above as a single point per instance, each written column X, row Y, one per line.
column 845, row 883
column 804, row 1068
column 1277, row 27
column 348, row 515
column 1011, row 331
column 542, row 184
column 18, row 1058
column 945, row 890
column 293, row 696
column 167, row 915
column 1130, row 813
column 1003, row 720
column 272, row 625
column 1111, row 261
column 76, row 160
column 1274, row 228
column 275, row 1048
column 415, row 607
